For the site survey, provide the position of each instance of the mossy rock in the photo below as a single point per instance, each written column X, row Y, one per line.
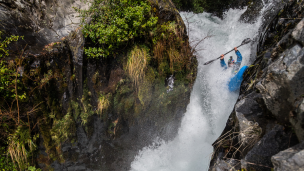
column 146, row 88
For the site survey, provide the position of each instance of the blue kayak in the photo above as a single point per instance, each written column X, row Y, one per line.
column 235, row 82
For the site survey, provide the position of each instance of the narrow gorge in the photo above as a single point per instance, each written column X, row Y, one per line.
column 120, row 85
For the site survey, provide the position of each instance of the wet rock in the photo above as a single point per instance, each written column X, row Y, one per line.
column 297, row 121
column 286, row 41
column 255, row 7
column 82, row 137
column 298, row 33
column 249, row 116
column 253, row 12
column 229, row 164
column 77, row 168
column 76, row 44
column 57, row 166
column 283, row 83
column 274, row 141
column 290, row 159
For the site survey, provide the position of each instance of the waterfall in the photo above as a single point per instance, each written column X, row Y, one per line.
column 210, row 101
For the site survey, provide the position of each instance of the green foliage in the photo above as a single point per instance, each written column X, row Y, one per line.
column 115, row 22
column 87, row 109
column 5, row 43
column 33, row 168
column 63, row 128
column 7, row 70
column 5, row 161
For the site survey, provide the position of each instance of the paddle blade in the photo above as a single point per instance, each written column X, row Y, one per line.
column 209, row 62
column 246, row 41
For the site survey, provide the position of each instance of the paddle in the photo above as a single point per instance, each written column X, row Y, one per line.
column 243, row 43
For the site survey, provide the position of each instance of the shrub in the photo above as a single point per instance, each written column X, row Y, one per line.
column 7, row 69
column 114, row 23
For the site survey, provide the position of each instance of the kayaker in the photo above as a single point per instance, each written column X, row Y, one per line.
column 231, row 62
column 235, row 82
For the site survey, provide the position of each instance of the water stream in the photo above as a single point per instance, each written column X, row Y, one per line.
column 210, row 102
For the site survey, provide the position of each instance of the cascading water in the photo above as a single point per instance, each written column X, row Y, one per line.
column 210, row 102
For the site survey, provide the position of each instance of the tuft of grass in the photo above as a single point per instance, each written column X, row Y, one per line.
column 103, row 103
column 247, row 138
column 20, row 147
column 158, row 50
column 176, row 60
column 138, row 60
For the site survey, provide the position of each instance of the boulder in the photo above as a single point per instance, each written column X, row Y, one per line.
column 229, row 164
column 297, row 121
column 258, row 158
column 290, row 159
column 282, row 85
column 298, row 32
column 249, row 116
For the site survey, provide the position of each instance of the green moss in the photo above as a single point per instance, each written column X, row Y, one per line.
column 63, row 129
column 129, row 102
column 164, row 68
column 146, row 88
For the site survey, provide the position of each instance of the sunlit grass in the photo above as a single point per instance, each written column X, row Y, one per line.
column 138, row 60
column 103, row 103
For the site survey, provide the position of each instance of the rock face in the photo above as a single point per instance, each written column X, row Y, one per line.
column 92, row 116
column 298, row 33
column 290, row 159
column 40, row 22
column 268, row 117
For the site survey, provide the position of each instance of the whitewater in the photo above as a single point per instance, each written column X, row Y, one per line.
column 210, row 101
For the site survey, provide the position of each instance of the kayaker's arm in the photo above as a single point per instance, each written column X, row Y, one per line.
column 239, row 56
column 223, row 64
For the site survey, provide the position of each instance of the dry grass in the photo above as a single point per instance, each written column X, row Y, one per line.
column 176, row 59
column 138, row 61
column 246, row 139
column 159, row 51
column 19, row 144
